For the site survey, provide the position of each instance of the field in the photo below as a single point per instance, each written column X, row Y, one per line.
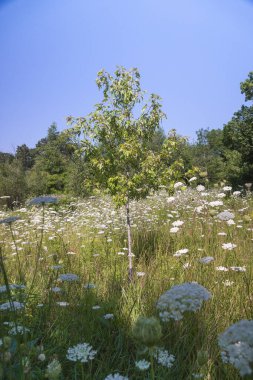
column 64, row 282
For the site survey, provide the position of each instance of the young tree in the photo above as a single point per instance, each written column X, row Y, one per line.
column 116, row 143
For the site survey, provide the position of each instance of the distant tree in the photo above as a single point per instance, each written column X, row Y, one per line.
column 238, row 132
column 13, row 181
column 25, row 156
column 117, row 145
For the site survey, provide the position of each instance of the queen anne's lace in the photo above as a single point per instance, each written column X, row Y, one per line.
column 82, row 352
column 180, row 298
column 236, row 345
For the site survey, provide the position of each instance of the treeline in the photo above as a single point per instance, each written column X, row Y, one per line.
column 56, row 165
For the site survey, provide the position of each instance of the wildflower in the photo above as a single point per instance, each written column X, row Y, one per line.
column 236, row 345
column 206, row 260
column 186, row 265
column 3, row 288
column 12, row 305
column 56, row 267
column 230, row 222
column 215, row 203
column 174, row 230
column 116, row 376
column 228, row 246
column 177, row 223
column 164, row 358
column 192, row 179
column 236, row 193
column 53, row 370
column 108, row 316
column 56, row 289
column 225, row 215
column 41, row 357
column 42, row 200
column 228, row 283
column 62, row 303
column 18, row 330
column 238, row 269
column 181, row 252
column 200, row 188
column 82, row 352
column 170, row 199
column 221, row 195
column 68, row 277
column 140, row 274
column 9, row 220
column 142, row 364
column 227, row 188
column 178, row 184
column 96, row 307
column 180, row 298
column 222, row 269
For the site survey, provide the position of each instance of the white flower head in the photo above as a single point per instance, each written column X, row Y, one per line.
column 181, row 252
column 228, row 246
column 181, row 298
column 82, row 352
column 142, row 365
column 164, row 358
column 115, row 376
column 225, row 215
column 200, row 188
column 236, row 345
column 68, row 277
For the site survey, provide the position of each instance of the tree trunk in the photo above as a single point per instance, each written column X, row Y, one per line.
column 129, row 243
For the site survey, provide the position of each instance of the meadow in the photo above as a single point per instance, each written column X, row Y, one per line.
column 68, row 310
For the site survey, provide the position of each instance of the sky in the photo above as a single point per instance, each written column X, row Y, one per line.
column 193, row 53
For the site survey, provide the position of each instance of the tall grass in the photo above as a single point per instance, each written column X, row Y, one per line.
column 88, row 238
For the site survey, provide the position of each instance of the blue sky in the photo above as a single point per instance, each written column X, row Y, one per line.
column 193, row 53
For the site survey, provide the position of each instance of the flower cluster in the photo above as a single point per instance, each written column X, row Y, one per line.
column 180, row 298
column 236, row 345
column 116, row 376
column 68, row 277
column 11, row 305
column 225, row 215
column 82, row 352
column 164, row 358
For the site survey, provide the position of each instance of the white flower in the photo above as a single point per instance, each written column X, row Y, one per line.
column 206, row 260
column 108, row 316
column 18, row 330
column 82, row 352
column 192, row 179
column 228, row 246
column 222, row 269
column 116, row 376
column 177, row 223
column 142, row 364
column 181, row 252
column 178, row 184
column 56, row 289
column 200, row 188
column 174, row 230
column 225, row 215
column 230, row 222
column 170, row 199
column 12, row 305
column 236, row 193
column 96, row 307
column 68, row 277
column 221, row 195
column 164, row 358
column 215, row 203
column 238, row 269
column 180, row 298
column 140, row 274
column 236, row 345
column 227, row 188
column 42, row 200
